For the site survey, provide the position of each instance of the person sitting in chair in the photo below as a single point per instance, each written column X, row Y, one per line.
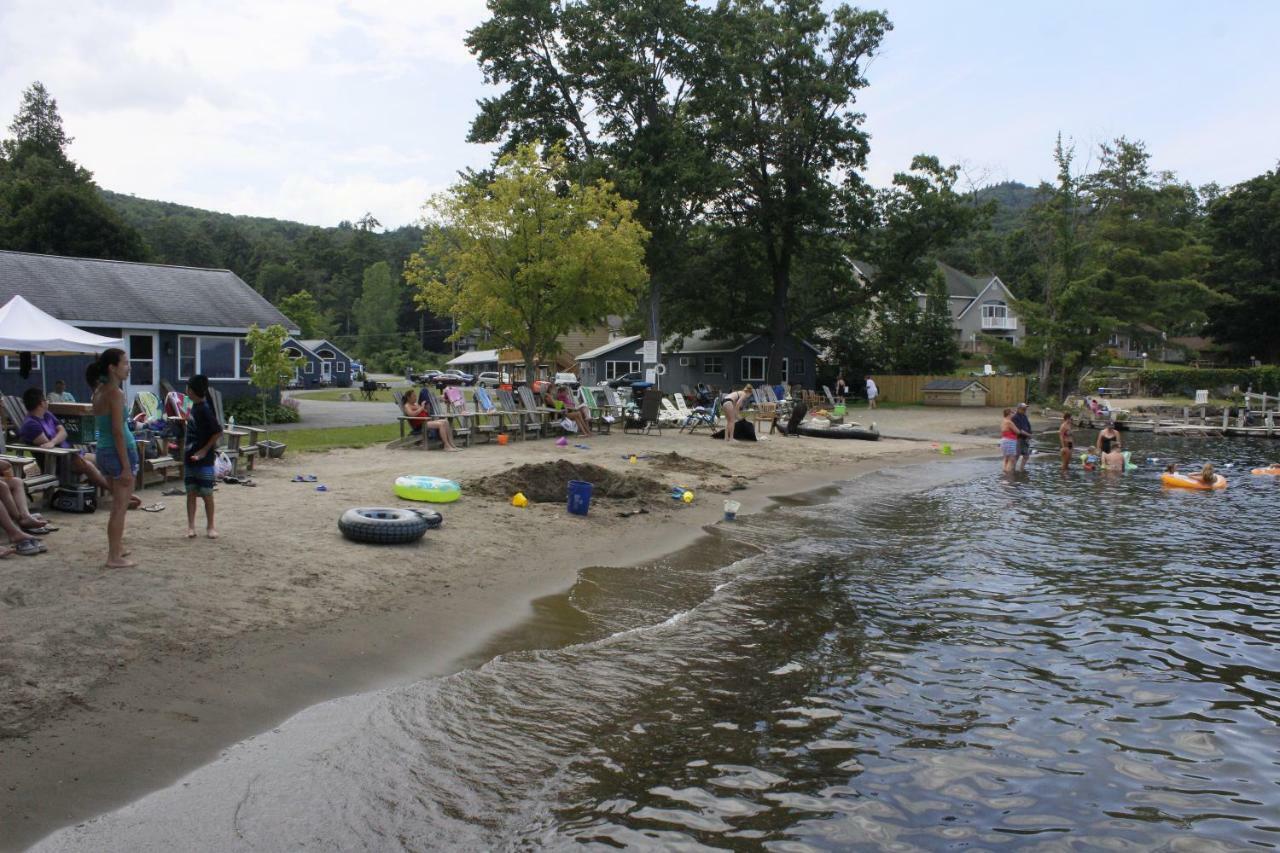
column 421, row 422
column 61, row 394
column 41, row 428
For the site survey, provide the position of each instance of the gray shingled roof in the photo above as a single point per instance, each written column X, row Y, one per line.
column 132, row 295
column 952, row 385
column 960, row 284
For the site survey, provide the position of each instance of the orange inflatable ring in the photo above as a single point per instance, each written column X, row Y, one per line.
column 1181, row 481
column 1273, row 470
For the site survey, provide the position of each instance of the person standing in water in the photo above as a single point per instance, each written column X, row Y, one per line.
column 1023, row 423
column 1108, row 438
column 1066, row 441
column 1008, row 440
column 117, row 450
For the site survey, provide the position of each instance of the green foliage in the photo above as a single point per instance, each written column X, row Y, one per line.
column 302, row 308
column 407, row 353
column 269, row 366
column 377, row 308
column 1117, row 251
column 48, row 204
column 1186, row 380
column 1244, row 230
column 320, row 440
column 250, row 411
column 531, row 255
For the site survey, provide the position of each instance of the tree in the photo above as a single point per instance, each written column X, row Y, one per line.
column 301, row 308
column 48, row 204
column 269, row 366
column 531, row 255
column 1244, row 230
column 779, row 106
column 611, row 81
column 377, row 309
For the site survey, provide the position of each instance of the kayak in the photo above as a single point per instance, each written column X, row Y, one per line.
column 838, row 432
column 1181, row 481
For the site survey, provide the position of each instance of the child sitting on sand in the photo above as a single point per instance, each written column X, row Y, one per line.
column 203, row 432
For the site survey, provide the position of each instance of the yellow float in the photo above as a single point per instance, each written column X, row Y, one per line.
column 1182, row 481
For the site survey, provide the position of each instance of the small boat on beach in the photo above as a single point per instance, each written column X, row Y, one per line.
column 836, row 431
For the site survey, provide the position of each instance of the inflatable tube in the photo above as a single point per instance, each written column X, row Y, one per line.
column 382, row 525
column 838, row 432
column 436, row 490
column 1262, row 472
column 1181, row 481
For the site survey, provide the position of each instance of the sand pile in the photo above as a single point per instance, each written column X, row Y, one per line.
column 685, row 465
column 548, row 482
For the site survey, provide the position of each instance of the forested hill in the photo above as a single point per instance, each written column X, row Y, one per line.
column 276, row 256
column 1012, row 199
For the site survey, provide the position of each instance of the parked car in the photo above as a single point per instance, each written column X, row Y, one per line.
column 570, row 379
column 625, row 380
column 453, row 377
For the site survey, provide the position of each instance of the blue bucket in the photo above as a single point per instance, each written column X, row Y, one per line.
column 579, row 497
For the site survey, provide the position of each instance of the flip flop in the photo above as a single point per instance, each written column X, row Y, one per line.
column 311, row 478
column 153, row 507
column 298, row 478
column 322, row 488
column 172, row 493
column 39, row 531
column 27, row 547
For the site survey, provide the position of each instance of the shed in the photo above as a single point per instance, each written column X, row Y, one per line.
column 475, row 361
column 955, row 392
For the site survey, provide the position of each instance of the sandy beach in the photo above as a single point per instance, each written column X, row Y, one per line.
column 113, row 683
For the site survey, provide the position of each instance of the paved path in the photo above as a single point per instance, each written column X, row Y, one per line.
column 319, row 414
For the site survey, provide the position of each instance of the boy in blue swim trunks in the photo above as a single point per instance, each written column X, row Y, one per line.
column 203, row 432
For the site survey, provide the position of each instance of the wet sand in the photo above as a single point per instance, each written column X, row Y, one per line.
column 116, row 683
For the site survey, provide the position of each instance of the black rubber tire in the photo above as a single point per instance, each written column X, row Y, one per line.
column 382, row 525
column 433, row 518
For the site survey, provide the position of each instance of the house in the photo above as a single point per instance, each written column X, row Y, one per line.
column 323, row 364
column 980, row 306
column 570, row 345
column 955, row 392
column 175, row 321
column 475, row 361
column 700, row 358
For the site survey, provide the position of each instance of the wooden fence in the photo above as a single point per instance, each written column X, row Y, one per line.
column 1002, row 390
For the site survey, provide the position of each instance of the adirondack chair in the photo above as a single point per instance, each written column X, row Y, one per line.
column 147, row 404
column 526, row 422
column 766, row 408
column 600, row 418
column 650, row 412
column 487, row 420
column 232, row 442
column 831, row 399
column 622, row 408
column 548, row 419
column 459, row 422
column 42, row 470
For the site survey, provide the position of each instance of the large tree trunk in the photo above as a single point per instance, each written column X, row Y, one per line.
column 655, row 318
column 778, row 325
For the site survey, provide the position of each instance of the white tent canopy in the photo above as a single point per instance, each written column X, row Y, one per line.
column 25, row 328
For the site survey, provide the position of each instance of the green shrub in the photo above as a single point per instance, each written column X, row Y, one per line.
column 248, row 411
column 1187, row 380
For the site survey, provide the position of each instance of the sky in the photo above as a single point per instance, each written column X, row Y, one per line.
column 321, row 110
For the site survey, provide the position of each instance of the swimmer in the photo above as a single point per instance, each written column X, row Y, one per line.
column 1206, row 474
column 1066, row 441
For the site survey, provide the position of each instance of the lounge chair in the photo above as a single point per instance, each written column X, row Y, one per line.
column 600, row 417
column 547, row 418
column 232, row 442
column 669, row 414
column 622, row 408
column 703, row 417
column 766, row 410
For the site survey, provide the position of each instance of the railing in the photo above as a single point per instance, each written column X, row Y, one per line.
column 1009, row 322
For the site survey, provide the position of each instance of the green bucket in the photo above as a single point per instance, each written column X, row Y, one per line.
column 838, row 411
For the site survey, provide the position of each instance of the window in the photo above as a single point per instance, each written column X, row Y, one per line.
column 1114, row 340
column 786, row 371
column 310, row 367
column 187, row 357
column 614, row 369
column 754, row 368
column 995, row 310
column 325, row 354
column 341, row 367
column 713, row 364
column 798, row 367
column 218, row 358
column 11, row 361
column 686, row 360
column 245, row 359
column 142, row 359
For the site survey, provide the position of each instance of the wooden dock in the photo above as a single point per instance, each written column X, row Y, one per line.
column 1202, row 426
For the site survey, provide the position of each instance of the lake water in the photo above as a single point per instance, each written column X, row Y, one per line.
column 936, row 657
